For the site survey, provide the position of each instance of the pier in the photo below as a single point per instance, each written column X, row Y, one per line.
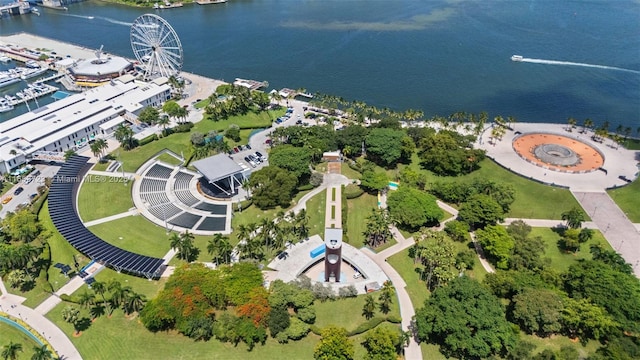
column 16, row 8
column 32, row 94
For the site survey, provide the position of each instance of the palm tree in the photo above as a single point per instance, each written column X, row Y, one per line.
column 134, row 302
column 163, row 121
column 41, row 353
column 572, row 123
column 220, row 248
column 94, row 149
column 588, row 124
column 369, row 308
column 86, row 299
column 186, row 250
column 386, row 296
column 101, row 145
column 100, row 288
column 119, row 295
column 124, row 135
column 71, row 315
column 573, row 217
column 97, row 310
column 174, row 241
column 10, row 351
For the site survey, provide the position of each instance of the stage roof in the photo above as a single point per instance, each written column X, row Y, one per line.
column 217, row 167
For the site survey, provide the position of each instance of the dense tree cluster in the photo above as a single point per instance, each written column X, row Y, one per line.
column 448, row 153
column 230, row 100
column 387, row 147
column 466, row 320
column 459, row 192
column 413, row 208
column 435, row 251
column 272, row 186
column 270, row 235
column 296, row 160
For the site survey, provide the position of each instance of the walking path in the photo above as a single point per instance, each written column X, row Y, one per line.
column 131, row 212
column 12, row 305
column 614, row 224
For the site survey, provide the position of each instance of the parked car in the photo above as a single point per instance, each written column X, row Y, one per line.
column 254, row 158
column 7, row 199
column 18, row 191
column 248, row 146
column 235, row 149
column 260, row 156
column 249, row 161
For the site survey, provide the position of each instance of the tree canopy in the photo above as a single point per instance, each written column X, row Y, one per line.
column 481, row 210
column 296, row 160
column 413, row 208
column 334, row 345
column 448, row 154
column 272, row 186
column 497, row 243
column 386, row 147
column 465, row 320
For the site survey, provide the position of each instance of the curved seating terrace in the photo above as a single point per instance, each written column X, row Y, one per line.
column 168, row 196
column 62, row 199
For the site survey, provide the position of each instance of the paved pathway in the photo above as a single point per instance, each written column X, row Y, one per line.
column 131, row 212
column 12, row 305
column 614, row 224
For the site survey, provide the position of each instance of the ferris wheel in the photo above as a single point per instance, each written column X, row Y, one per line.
column 156, row 45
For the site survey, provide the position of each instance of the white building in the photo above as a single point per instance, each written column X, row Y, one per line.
column 73, row 121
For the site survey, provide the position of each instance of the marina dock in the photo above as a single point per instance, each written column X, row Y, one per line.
column 31, row 94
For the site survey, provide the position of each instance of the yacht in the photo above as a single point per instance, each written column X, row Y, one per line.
column 516, row 58
column 4, row 59
column 10, row 98
column 32, row 64
column 32, row 72
column 7, row 79
column 5, row 106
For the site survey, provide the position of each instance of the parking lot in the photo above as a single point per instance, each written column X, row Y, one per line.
column 28, row 185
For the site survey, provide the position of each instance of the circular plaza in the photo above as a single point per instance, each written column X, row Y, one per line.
column 558, row 152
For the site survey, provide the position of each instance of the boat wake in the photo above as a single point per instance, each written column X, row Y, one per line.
column 114, row 21
column 568, row 63
column 78, row 16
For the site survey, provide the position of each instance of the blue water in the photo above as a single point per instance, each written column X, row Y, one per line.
column 439, row 56
column 21, row 328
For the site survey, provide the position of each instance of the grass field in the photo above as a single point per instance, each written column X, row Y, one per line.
column 316, row 211
column 347, row 313
column 349, row 172
column 134, row 233
column 10, row 334
column 171, row 160
column 101, row 166
column 102, row 196
column 561, row 260
column 121, row 337
column 532, row 199
column 627, row 199
column 358, row 210
column 179, row 142
column 61, row 252
column 415, row 287
column 149, row 288
column 555, row 342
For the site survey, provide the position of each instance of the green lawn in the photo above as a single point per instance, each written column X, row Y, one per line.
column 358, row 210
column 532, row 199
column 349, row 172
column 9, row 333
column 110, row 338
column 135, row 234
column 118, row 337
column 415, row 287
column 179, row 142
column 316, row 207
column 627, row 199
column 561, row 260
column 347, row 313
column 169, row 159
column 555, row 342
column 102, row 196
column 149, row 288
column 61, row 252
column 101, row 166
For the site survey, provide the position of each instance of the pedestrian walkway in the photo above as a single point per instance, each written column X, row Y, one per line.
column 12, row 305
column 131, row 212
column 616, row 227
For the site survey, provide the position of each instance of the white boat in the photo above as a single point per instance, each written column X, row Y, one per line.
column 32, row 64
column 4, row 59
column 10, row 98
column 7, row 79
column 516, row 58
column 32, row 72
column 5, row 106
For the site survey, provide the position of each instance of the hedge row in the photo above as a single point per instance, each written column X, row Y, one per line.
column 353, row 191
column 365, row 326
column 148, row 139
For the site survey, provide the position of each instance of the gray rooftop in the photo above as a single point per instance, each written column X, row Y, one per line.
column 217, row 167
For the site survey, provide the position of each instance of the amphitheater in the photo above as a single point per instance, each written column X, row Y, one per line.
column 169, row 196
